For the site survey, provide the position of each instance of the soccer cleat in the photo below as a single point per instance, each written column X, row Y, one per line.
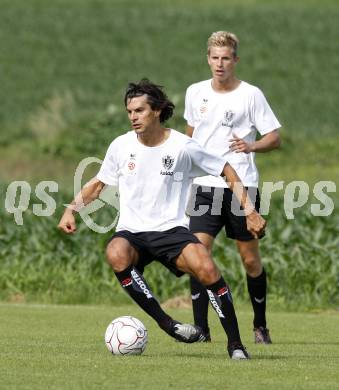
column 237, row 351
column 187, row 333
column 207, row 334
column 204, row 338
column 207, row 337
column 262, row 335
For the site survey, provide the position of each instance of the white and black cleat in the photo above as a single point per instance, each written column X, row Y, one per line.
column 188, row 333
column 237, row 352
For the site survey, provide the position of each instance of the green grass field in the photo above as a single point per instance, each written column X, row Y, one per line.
column 62, row 347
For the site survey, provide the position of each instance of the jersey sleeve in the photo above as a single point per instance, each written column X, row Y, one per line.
column 188, row 113
column 108, row 172
column 262, row 115
column 203, row 162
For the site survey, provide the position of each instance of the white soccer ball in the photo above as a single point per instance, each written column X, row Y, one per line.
column 126, row 336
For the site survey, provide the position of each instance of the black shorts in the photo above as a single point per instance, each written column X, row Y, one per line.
column 217, row 206
column 164, row 247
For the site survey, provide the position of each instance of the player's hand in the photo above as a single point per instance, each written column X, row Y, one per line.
column 238, row 145
column 255, row 224
column 67, row 222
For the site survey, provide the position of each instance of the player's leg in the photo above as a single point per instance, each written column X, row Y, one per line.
column 248, row 247
column 205, row 227
column 124, row 258
column 257, row 287
column 195, row 259
column 200, row 298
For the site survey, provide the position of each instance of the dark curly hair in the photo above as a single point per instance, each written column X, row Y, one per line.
column 156, row 98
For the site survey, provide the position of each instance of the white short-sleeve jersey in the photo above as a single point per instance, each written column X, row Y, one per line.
column 217, row 117
column 154, row 182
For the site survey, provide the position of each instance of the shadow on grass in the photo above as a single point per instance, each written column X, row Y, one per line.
column 307, row 343
column 214, row 356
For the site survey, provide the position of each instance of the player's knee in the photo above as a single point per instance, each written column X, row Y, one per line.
column 252, row 265
column 208, row 273
column 117, row 258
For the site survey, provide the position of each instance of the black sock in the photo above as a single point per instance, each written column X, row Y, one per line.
column 135, row 285
column 200, row 301
column 257, row 289
column 221, row 300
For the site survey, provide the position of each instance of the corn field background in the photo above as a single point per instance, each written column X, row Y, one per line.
column 40, row 264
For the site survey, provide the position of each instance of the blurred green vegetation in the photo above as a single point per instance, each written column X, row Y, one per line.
column 41, row 264
column 64, row 66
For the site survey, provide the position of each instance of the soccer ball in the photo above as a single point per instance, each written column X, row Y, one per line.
column 126, row 336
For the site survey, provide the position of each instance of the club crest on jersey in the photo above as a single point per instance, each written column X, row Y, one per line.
column 228, row 118
column 167, row 162
column 203, row 107
column 131, row 166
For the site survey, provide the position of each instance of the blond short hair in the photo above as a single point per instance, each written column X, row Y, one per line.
column 223, row 38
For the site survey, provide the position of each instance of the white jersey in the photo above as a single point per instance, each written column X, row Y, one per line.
column 154, row 182
column 217, row 117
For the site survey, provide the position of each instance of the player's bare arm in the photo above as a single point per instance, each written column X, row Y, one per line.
column 88, row 193
column 189, row 130
column 255, row 222
column 266, row 143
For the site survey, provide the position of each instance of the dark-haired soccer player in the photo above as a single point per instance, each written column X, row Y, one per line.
column 153, row 167
column 224, row 115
